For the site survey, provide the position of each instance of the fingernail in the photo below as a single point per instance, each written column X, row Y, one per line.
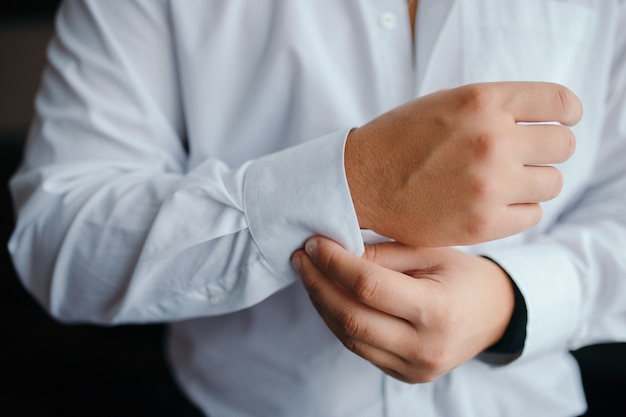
column 311, row 247
column 296, row 262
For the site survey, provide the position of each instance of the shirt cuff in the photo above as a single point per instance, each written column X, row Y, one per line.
column 511, row 344
column 297, row 193
column 548, row 283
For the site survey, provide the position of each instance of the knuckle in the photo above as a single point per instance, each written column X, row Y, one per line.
column 483, row 146
column 564, row 144
column 408, row 376
column 558, row 183
column 437, row 362
column 422, row 377
column 567, row 104
column 478, row 189
column 562, row 98
column 412, row 378
column 474, row 229
column 314, row 296
column 350, row 323
column 366, row 286
column 435, row 358
column 353, row 345
column 478, row 222
column 324, row 261
column 479, row 97
column 570, row 144
column 425, row 378
column 430, row 367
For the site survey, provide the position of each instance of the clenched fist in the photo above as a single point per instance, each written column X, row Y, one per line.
column 464, row 165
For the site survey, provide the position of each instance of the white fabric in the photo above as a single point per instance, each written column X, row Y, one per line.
column 182, row 150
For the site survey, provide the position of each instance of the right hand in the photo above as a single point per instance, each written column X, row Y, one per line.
column 416, row 313
column 455, row 167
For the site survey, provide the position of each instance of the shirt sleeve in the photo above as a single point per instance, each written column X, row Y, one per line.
column 112, row 225
column 573, row 278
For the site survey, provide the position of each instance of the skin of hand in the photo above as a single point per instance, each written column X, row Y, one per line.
column 416, row 313
column 457, row 167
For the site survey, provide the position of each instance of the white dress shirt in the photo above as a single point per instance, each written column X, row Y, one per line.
column 182, row 150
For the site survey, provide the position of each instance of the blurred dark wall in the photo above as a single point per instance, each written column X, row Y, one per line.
column 28, row 9
column 54, row 370
column 22, row 45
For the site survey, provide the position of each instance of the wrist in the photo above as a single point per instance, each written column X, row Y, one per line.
column 512, row 339
column 356, row 167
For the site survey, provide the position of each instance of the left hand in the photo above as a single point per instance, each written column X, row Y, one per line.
column 416, row 313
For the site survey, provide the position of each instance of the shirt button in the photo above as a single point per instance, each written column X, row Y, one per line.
column 388, row 20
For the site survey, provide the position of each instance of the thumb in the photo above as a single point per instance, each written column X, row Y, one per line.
column 333, row 259
column 327, row 258
column 374, row 285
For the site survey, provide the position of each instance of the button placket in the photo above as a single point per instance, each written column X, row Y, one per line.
column 393, row 44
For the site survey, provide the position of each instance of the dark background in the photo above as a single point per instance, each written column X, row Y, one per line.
column 54, row 370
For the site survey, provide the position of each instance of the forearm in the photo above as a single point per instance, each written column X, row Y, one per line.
column 139, row 245
column 129, row 246
column 118, row 221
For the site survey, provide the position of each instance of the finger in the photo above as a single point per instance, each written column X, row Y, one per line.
column 378, row 287
column 381, row 338
column 418, row 375
column 517, row 218
column 395, row 374
column 536, row 184
column 545, row 144
column 542, row 102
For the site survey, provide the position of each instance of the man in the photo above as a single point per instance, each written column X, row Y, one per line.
column 183, row 151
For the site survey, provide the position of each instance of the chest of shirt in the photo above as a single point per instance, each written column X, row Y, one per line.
column 258, row 77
